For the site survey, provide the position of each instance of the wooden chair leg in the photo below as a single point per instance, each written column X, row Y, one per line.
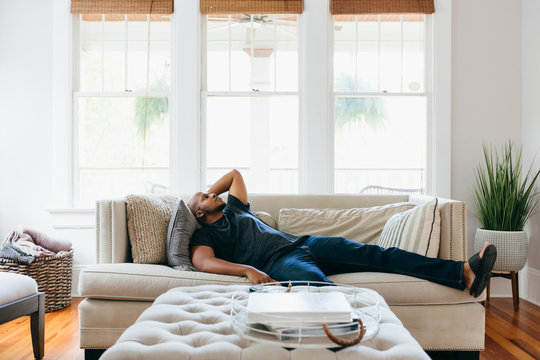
column 515, row 290
column 37, row 328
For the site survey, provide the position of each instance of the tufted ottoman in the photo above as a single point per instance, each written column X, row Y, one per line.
column 194, row 323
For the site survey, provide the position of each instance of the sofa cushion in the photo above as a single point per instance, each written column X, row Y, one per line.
column 181, row 227
column 405, row 290
column 145, row 282
column 417, row 230
column 358, row 224
column 147, row 222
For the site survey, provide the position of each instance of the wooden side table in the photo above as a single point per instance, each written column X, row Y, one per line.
column 512, row 275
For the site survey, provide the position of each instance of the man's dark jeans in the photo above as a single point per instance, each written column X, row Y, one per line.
column 321, row 256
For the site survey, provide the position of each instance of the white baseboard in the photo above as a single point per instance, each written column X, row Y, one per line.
column 532, row 277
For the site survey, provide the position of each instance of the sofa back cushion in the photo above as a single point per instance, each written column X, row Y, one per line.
column 417, row 230
column 358, row 224
column 147, row 222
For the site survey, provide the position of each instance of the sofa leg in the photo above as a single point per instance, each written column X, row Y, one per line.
column 93, row 354
column 454, row 355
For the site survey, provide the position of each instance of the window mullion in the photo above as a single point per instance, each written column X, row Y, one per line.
column 275, row 52
column 120, row 94
column 252, row 52
column 230, row 54
column 356, row 53
column 401, row 56
column 102, row 52
column 379, row 53
column 126, row 53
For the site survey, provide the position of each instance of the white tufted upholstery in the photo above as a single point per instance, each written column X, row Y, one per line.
column 194, row 323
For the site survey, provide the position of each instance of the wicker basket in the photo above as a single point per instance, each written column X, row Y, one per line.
column 53, row 275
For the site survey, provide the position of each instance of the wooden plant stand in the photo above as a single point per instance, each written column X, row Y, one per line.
column 512, row 275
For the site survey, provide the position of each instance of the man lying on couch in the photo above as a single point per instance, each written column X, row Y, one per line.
column 233, row 241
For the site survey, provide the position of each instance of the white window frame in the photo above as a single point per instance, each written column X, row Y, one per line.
column 205, row 94
column 427, row 93
column 78, row 94
column 186, row 126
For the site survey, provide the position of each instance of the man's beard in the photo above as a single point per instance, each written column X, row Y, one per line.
column 220, row 208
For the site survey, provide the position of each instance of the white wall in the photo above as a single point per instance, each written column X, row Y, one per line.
column 25, row 113
column 26, row 129
column 531, row 128
column 486, row 91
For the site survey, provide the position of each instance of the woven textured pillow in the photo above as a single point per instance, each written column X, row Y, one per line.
column 147, row 221
column 181, row 227
column 358, row 224
column 416, row 230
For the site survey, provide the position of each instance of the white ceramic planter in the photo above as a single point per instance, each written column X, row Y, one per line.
column 512, row 248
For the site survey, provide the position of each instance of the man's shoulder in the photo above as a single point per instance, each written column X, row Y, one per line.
column 202, row 236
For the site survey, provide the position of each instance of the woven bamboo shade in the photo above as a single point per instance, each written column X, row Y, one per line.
column 252, row 6
column 381, row 18
column 343, row 7
column 122, row 17
column 122, row 6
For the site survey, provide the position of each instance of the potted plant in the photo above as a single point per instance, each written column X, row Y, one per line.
column 504, row 200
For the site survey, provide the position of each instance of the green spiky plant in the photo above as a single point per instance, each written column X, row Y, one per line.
column 503, row 198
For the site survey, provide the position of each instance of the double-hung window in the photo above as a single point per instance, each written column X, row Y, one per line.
column 380, row 103
column 121, row 88
column 250, row 98
column 297, row 97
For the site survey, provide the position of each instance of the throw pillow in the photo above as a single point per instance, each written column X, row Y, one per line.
column 417, row 230
column 358, row 224
column 266, row 218
column 181, row 227
column 147, row 221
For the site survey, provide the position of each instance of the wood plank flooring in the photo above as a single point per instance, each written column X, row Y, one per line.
column 509, row 335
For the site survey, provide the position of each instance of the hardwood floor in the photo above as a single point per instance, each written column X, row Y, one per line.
column 61, row 336
column 509, row 335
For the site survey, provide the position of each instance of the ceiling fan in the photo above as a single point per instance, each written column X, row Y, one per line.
column 254, row 22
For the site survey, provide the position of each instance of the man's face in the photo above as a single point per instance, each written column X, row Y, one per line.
column 205, row 202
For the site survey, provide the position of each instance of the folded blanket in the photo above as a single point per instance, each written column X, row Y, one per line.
column 26, row 244
column 10, row 251
column 41, row 239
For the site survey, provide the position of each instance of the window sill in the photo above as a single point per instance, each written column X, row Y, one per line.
column 58, row 211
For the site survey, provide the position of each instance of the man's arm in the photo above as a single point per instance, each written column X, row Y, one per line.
column 233, row 183
column 204, row 260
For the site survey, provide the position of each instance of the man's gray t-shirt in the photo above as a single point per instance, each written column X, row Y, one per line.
column 241, row 237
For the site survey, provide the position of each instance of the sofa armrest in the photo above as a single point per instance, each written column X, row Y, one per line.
column 453, row 227
column 111, row 232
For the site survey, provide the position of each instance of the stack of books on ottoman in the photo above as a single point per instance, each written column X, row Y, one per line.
column 302, row 314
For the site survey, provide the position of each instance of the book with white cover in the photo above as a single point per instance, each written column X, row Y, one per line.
column 294, row 307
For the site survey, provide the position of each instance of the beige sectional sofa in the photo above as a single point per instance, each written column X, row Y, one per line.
column 117, row 291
